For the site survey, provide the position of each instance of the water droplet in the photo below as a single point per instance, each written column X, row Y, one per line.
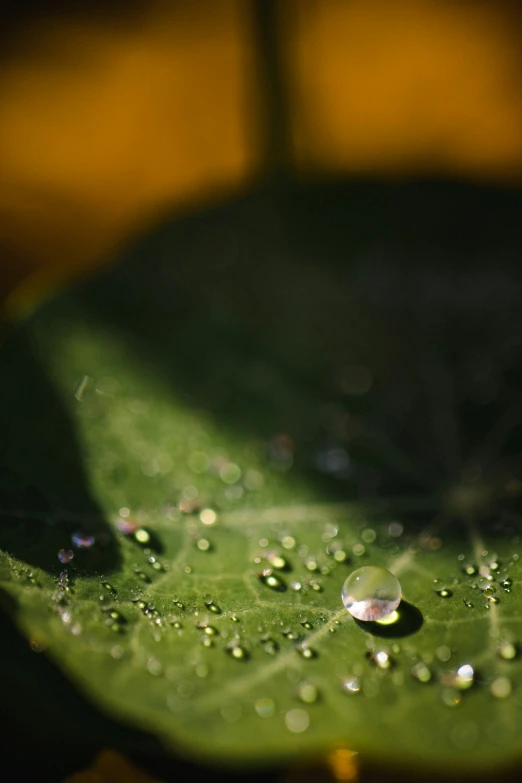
column 297, row 720
column 340, row 556
column 65, row 555
column 465, row 677
column 297, row 586
column 209, row 630
column 231, row 712
column 82, row 540
column 311, row 564
column 265, row 708
column 277, row 561
column 288, row 542
column 208, row 516
column 470, row 569
column 421, row 672
column 316, row 586
column 154, row 667
column 272, row 581
column 270, row 646
column 508, row 651
column 450, row 697
column 368, row 536
column 237, row 652
column 371, row 593
column 351, row 685
column 307, row 692
column 110, row 589
column 203, row 544
column 467, row 604
column 507, row 584
column 358, row 550
column 305, row 651
column 380, row 658
column 142, row 536
column 501, row 687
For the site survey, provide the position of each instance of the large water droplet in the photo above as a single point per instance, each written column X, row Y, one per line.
column 371, row 593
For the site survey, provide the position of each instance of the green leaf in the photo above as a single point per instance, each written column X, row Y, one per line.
column 272, row 424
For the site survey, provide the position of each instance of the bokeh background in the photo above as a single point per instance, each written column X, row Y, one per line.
column 113, row 115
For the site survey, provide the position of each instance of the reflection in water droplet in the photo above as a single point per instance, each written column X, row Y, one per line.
column 501, row 687
column 297, row 720
column 265, row 708
column 371, row 593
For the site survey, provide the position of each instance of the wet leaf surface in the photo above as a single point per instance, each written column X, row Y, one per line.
column 201, row 445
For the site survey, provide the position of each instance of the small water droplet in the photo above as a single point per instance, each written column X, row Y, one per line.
column 307, row 692
column 465, row 677
column 272, row 581
column 421, row 672
column 142, row 536
column 110, row 589
column 208, row 516
column 65, row 555
column 467, row 604
column 311, row 564
column 470, row 569
column 340, row 556
column 297, row 586
column 237, row 652
column 265, row 707
column 154, row 667
column 501, row 687
column 351, row 685
column 380, row 658
column 297, row 720
column 508, row 651
column 305, row 651
column 203, row 544
column 316, row 586
column 288, row 542
column 270, row 646
column 450, row 697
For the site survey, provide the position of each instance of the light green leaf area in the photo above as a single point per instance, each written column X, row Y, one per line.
column 223, row 631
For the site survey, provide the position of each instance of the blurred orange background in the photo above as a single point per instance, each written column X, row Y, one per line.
column 108, row 123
